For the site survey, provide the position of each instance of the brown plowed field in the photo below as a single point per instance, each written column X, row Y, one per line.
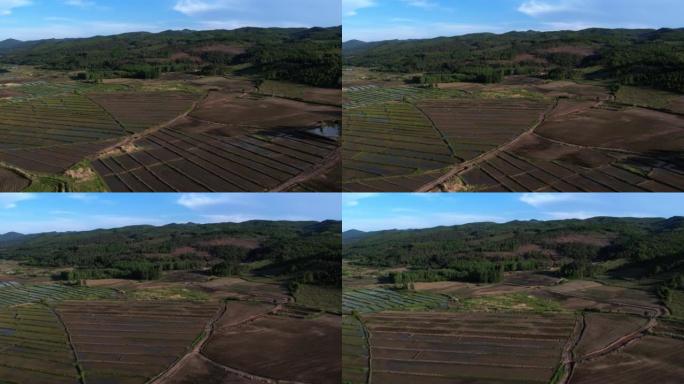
column 175, row 160
column 201, row 370
column 602, row 329
column 540, row 165
column 651, row 359
column 234, row 110
column 54, row 159
column 137, row 111
column 131, row 342
column 434, row 347
column 282, row 348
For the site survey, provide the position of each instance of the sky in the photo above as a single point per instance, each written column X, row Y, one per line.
column 41, row 19
column 46, row 212
column 373, row 20
column 374, row 212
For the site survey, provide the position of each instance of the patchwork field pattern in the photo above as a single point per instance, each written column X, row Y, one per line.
column 441, row 347
column 175, row 159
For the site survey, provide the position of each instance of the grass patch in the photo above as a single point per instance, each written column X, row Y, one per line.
column 325, row 298
column 47, row 184
column 515, row 302
column 644, row 97
column 173, row 293
column 676, row 305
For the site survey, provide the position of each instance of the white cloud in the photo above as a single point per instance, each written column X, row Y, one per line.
column 582, row 215
column 82, row 196
column 193, row 7
column 80, row 3
column 6, row 6
column 536, row 8
column 350, row 7
column 10, row 200
column 353, row 199
column 426, row 4
column 539, row 199
column 202, row 200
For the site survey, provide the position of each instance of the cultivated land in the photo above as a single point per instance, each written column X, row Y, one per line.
column 186, row 111
column 515, row 137
column 187, row 325
column 532, row 326
column 209, row 134
column 518, row 112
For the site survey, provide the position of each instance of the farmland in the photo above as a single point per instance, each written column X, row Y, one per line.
column 519, row 137
column 180, row 130
column 525, row 112
column 404, row 322
column 187, row 324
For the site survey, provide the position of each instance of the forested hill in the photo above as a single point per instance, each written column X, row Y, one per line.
column 304, row 251
column 630, row 57
column 309, row 56
column 577, row 246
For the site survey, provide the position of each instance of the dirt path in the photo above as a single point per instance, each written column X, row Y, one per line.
column 196, row 351
column 79, row 369
column 129, row 140
column 435, row 184
column 326, row 165
column 180, row 363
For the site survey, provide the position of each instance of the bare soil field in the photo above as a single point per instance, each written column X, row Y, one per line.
column 131, row 342
column 302, row 350
column 602, row 329
column 650, row 359
column 250, row 111
column 434, row 347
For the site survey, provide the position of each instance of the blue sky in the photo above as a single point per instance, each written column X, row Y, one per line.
column 34, row 213
column 40, row 19
column 372, row 212
column 373, row 20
